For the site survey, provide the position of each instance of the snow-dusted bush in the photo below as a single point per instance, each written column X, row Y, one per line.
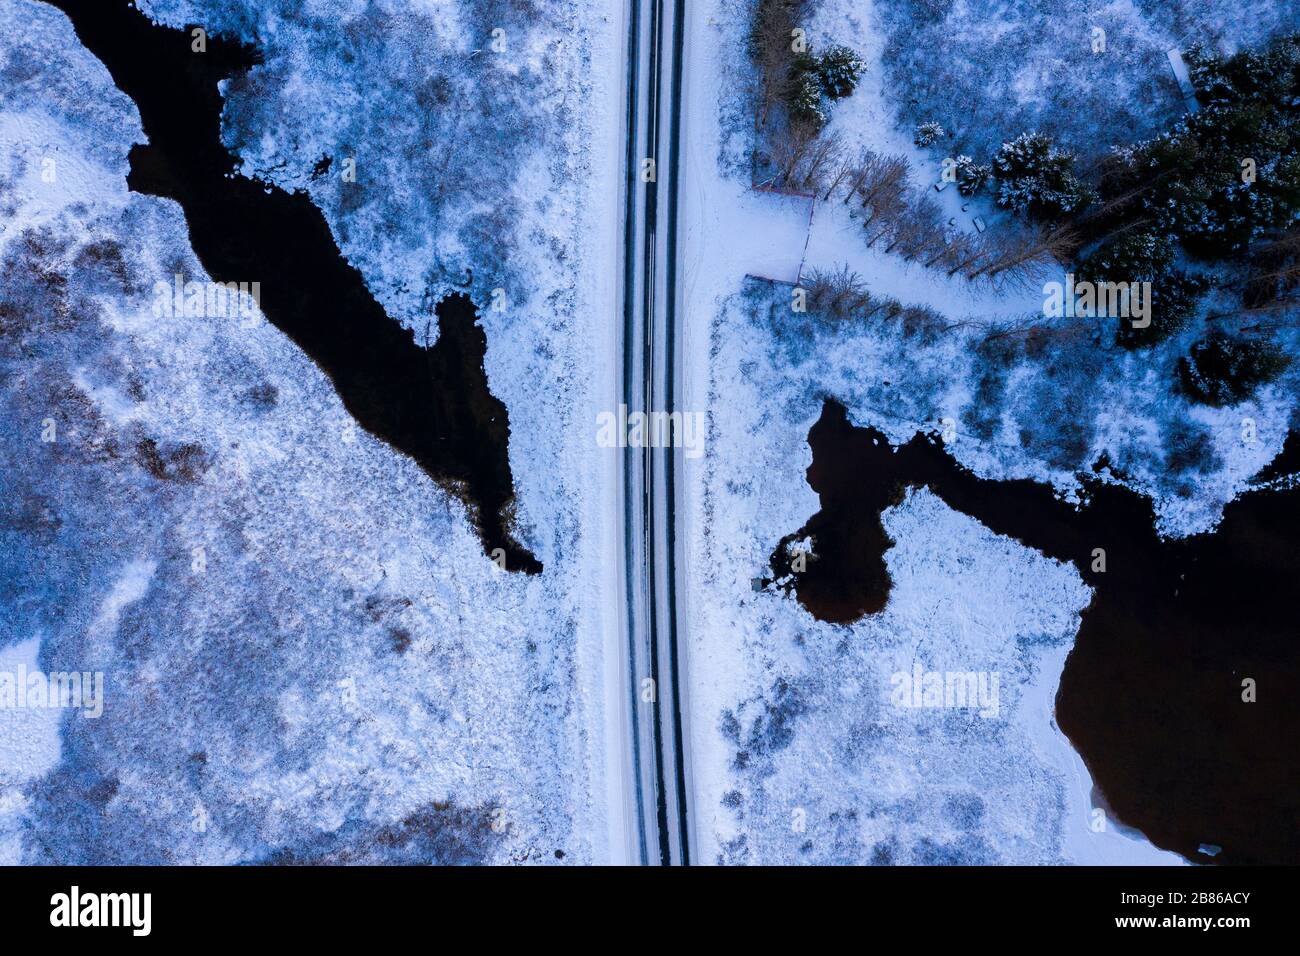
column 842, row 295
column 776, row 62
column 971, row 176
column 1224, row 370
column 1189, row 447
column 927, row 134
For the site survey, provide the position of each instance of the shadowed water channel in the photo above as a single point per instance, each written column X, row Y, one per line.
column 433, row 404
column 1151, row 695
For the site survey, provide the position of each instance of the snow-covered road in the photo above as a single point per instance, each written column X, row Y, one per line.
column 650, row 486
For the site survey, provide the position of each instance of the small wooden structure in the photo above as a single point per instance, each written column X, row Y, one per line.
column 1184, row 78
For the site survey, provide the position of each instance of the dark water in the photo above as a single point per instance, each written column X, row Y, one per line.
column 1151, row 695
column 433, row 404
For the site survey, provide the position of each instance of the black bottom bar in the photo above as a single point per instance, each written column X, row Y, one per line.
column 369, row 906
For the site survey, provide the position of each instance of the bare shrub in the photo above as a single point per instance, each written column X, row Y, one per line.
column 877, row 182
column 917, row 229
column 1021, row 258
column 804, row 159
column 842, row 294
column 839, row 294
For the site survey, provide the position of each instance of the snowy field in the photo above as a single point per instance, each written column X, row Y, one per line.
column 307, row 656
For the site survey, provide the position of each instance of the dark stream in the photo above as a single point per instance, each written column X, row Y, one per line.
column 432, row 404
column 1151, row 695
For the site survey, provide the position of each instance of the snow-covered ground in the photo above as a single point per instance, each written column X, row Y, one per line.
column 319, row 661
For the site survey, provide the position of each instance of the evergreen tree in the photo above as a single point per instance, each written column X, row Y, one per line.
column 1037, row 180
column 1146, row 257
column 804, row 97
column 838, row 70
